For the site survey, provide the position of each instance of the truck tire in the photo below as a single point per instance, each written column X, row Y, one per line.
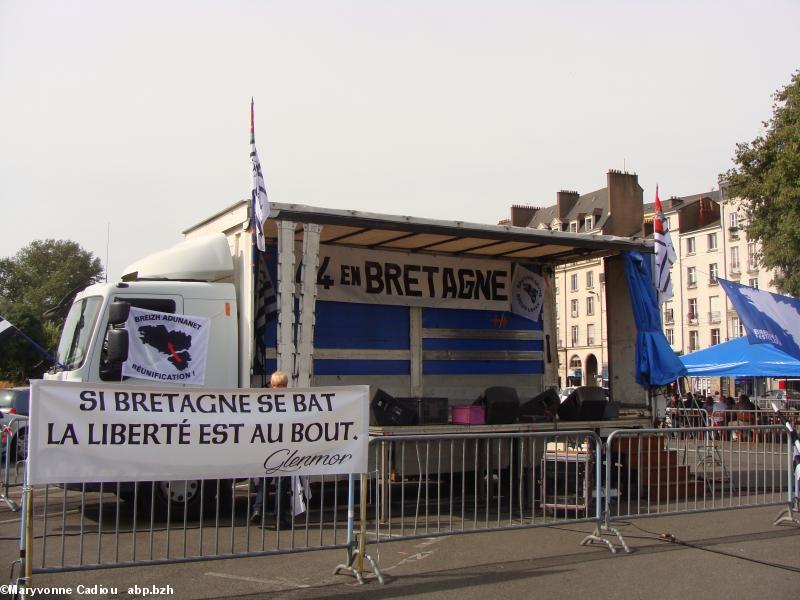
column 177, row 498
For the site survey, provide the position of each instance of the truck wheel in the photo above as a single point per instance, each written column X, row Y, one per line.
column 183, row 496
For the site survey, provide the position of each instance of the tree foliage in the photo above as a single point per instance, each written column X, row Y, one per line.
column 45, row 271
column 767, row 180
column 32, row 282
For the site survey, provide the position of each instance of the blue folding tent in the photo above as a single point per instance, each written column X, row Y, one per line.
column 738, row 358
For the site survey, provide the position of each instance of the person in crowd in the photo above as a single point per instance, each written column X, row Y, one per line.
column 744, row 403
column 672, row 417
column 283, row 485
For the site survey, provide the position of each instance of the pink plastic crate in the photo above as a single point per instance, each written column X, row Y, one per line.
column 469, row 415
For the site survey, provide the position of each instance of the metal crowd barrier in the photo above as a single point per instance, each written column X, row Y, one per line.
column 427, row 486
column 75, row 527
column 14, row 454
column 654, row 472
column 418, row 486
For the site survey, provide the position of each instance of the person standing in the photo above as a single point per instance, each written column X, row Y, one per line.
column 283, row 485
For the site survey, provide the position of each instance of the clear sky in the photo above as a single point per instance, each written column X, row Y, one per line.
column 136, row 114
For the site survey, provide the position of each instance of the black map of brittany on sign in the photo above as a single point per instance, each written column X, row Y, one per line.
column 173, row 343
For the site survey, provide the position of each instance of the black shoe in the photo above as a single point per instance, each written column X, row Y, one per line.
column 285, row 522
column 255, row 517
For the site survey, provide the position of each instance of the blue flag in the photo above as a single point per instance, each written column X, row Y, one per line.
column 767, row 317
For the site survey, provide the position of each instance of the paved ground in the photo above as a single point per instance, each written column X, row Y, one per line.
column 736, row 553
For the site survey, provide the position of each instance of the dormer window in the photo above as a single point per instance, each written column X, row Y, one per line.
column 573, row 226
column 555, row 225
column 588, row 223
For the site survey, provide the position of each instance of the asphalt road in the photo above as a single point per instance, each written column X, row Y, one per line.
column 735, row 553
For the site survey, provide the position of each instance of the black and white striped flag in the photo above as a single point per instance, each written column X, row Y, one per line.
column 665, row 254
column 259, row 192
column 6, row 329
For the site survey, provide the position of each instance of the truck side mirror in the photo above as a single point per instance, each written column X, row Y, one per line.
column 118, row 312
column 117, row 345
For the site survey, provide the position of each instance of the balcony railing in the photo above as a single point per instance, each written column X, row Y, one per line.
column 736, row 268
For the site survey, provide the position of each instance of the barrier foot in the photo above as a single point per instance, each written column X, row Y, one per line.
column 350, row 568
column 12, row 506
column 597, row 537
column 789, row 515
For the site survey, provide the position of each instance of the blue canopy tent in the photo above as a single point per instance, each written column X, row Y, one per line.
column 656, row 361
column 739, row 358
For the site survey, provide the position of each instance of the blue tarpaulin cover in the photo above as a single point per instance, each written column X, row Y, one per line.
column 740, row 358
column 656, row 361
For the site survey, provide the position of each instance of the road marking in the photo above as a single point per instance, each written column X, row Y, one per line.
column 419, row 555
column 276, row 581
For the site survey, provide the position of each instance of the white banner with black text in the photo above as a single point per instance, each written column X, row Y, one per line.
column 405, row 279
column 112, row 432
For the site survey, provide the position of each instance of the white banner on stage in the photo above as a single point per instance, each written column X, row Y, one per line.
column 112, row 432
column 381, row 277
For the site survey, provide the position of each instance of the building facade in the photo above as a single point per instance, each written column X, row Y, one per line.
column 616, row 209
column 708, row 233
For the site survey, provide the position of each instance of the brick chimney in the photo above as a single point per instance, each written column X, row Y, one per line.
column 521, row 215
column 625, row 206
column 565, row 201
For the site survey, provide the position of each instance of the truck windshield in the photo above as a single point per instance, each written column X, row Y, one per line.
column 77, row 331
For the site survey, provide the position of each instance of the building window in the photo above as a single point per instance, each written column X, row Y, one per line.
column 669, row 313
column 735, row 259
column 694, row 343
column 670, row 336
column 713, row 273
column 560, row 341
column 754, row 283
column 714, row 313
column 736, row 327
column 588, row 223
column 712, row 241
column 714, row 337
column 589, row 279
column 590, row 335
column 733, row 220
column 752, row 256
column 558, row 312
column 573, row 226
column 668, row 223
column 690, row 246
column 691, row 276
column 573, row 282
column 692, row 313
column 590, row 305
column 575, row 335
column 573, row 307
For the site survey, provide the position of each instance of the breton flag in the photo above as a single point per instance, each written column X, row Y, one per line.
column 6, row 329
column 665, row 254
column 259, row 191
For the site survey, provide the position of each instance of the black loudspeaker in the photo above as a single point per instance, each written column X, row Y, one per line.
column 387, row 411
column 502, row 405
column 585, row 403
column 545, row 404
